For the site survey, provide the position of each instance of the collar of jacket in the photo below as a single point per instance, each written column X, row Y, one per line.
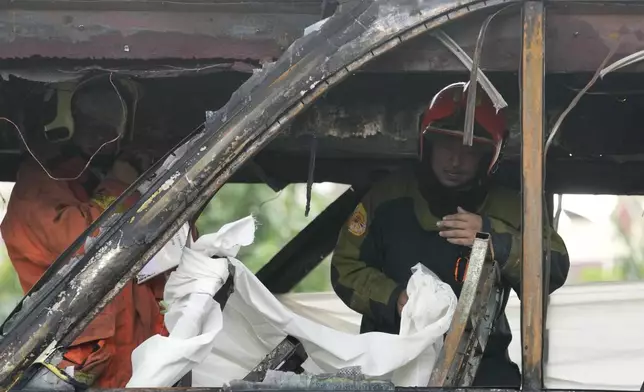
column 443, row 201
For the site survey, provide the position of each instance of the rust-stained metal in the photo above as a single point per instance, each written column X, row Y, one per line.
column 135, row 35
column 476, row 312
column 255, row 31
column 578, row 38
column 532, row 122
column 264, row 6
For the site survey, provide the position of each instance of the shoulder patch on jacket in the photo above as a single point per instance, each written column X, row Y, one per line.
column 358, row 221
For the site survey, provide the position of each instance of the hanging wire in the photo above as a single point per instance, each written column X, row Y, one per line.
column 267, row 201
column 549, row 141
column 309, row 181
column 555, row 223
column 575, row 101
column 494, row 94
column 468, row 134
column 33, row 155
column 623, row 62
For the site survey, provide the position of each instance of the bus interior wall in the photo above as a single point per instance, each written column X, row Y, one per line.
column 369, row 124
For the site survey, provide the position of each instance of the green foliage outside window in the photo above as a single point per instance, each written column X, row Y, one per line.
column 280, row 217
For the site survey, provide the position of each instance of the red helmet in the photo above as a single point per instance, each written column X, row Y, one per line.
column 446, row 115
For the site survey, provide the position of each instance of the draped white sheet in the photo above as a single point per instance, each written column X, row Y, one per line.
column 596, row 332
column 221, row 347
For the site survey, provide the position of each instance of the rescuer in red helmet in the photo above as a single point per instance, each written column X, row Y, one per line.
column 431, row 214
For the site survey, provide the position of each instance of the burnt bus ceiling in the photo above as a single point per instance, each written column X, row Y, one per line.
column 578, row 37
column 369, row 123
column 245, row 31
column 265, row 6
column 377, row 116
column 371, row 118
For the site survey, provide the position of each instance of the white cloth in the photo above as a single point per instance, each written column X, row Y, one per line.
column 194, row 318
column 168, row 257
column 254, row 322
column 324, row 308
column 577, row 314
column 418, row 314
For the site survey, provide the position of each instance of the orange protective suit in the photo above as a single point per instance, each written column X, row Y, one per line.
column 43, row 218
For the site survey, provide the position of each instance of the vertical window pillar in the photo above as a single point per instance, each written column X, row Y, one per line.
column 532, row 146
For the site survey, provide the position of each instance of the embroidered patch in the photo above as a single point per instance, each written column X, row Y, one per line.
column 358, row 221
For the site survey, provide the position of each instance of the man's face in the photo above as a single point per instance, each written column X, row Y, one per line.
column 453, row 163
column 92, row 138
column 99, row 116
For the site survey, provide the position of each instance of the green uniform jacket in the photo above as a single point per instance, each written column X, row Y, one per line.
column 393, row 229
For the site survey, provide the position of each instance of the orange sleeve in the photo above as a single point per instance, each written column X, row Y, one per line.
column 57, row 217
column 53, row 220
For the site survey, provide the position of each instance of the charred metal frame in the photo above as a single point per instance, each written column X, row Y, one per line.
column 245, row 126
column 267, row 102
column 532, row 147
column 287, row 356
column 473, row 320
column 220, row 32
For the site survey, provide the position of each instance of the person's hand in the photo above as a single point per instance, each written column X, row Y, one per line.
column 460, row 228
column 402, row 301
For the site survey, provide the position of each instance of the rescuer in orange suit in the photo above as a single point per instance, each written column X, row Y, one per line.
column 46, row 215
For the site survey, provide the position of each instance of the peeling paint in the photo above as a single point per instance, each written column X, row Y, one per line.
column 145, row 205
column 166, row 185
column 189, row 180
column 369, row 129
